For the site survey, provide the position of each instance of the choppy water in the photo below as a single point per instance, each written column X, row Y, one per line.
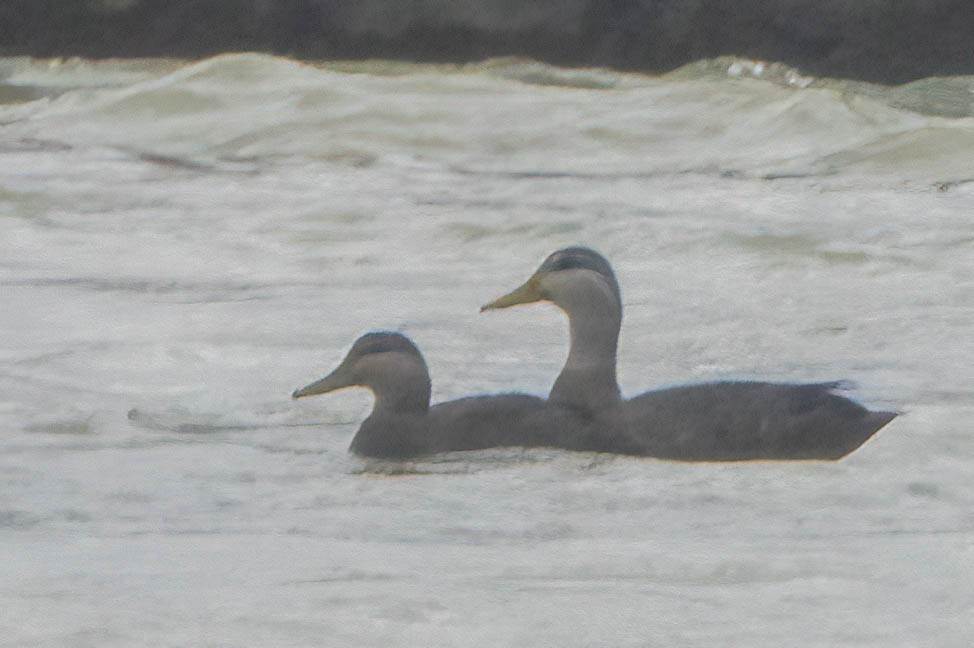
column 183, row 244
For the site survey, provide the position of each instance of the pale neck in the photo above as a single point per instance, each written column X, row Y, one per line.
column 401, row 389
column 588, row 380
column 396, row 426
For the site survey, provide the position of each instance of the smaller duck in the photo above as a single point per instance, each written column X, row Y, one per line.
column 402, row 424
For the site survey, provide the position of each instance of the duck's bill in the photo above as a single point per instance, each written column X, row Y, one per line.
column 528, row 293
column 335, row 380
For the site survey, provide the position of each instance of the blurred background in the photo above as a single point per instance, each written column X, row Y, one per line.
column 887, row 42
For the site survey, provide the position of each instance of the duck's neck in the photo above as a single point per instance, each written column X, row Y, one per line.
column 396, row 428
column 405, row 391
column 587, row 383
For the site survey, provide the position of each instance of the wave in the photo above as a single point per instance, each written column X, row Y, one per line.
column 727, row 115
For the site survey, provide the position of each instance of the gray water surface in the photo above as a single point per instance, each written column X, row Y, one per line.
column 184, row 243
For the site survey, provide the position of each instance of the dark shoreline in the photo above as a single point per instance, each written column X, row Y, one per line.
column 889, row 41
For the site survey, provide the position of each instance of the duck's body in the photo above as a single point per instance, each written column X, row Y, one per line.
column 403, row 425
column 721, row 421
column 738, row 421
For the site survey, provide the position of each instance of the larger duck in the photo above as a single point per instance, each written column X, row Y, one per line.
column 719, row 421
column 402, row 424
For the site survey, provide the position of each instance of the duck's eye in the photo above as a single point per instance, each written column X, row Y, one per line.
column 568, row 261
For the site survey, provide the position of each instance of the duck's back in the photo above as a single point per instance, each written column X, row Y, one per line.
column 504, row 420
column 735, row 421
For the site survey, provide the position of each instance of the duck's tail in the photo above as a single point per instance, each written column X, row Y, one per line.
column 875, row 421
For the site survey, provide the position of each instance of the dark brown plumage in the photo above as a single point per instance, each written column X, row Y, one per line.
column 720, row 421
column 403, row 425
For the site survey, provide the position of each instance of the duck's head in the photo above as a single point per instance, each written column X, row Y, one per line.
column 570, row 277
column 387, row 363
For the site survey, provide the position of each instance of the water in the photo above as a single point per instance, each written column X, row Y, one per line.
column 183, row 244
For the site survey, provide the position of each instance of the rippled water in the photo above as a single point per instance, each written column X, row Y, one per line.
column 183, row 244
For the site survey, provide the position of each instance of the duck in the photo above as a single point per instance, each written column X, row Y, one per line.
column 714, row 421
column 403, row 425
